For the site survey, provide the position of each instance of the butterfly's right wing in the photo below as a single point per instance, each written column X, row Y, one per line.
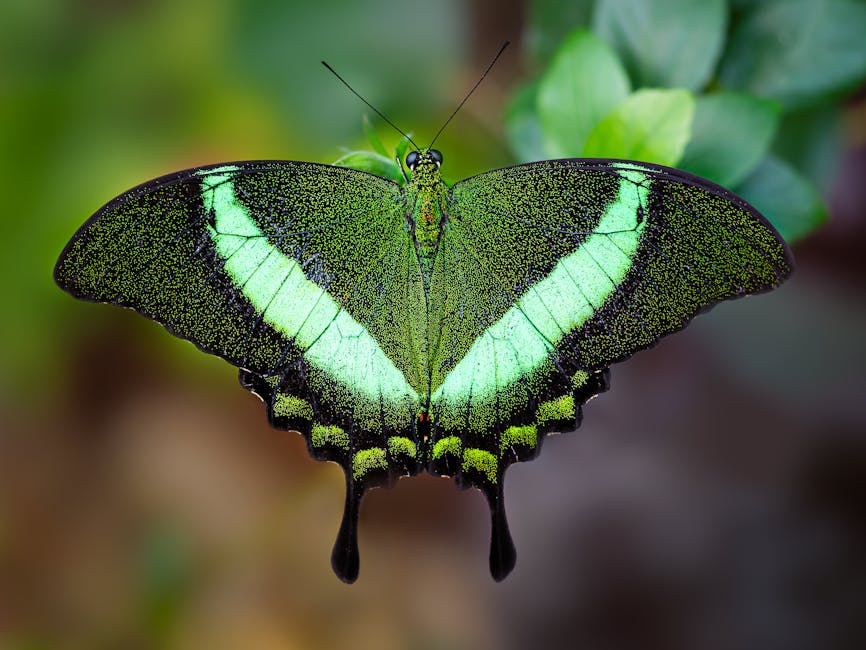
column 551, row 271
column 300, row 274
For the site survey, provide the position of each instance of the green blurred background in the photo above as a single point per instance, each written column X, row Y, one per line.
column 715, row 498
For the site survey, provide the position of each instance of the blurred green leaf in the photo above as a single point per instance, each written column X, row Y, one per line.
column 797, row 51
column 369, row 161
column 23, row 644
column 811, row 140
column 650, row 125
column 373, row 137
column 550, row 21
column 667, row 43
column 401, row 149
column 584, row 83
column 522, row 125
column 165, row 568
column 278, row 44
column 785, row 197
column 731, row 133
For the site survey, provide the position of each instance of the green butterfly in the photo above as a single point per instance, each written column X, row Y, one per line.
column 424, row 327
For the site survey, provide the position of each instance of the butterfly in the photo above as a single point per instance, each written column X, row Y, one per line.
column 417, row 326
column 424, row 327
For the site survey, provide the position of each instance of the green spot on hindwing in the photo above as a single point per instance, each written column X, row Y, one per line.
column 518, row 436
column 400, row 446
column 480, row 461
column 292, row 408
column 556, row 410
column 368, row 460
column 450, row 445
column 329, row 436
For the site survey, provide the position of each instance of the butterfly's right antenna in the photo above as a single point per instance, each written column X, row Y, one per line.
column 377, row 111
column 477, row 83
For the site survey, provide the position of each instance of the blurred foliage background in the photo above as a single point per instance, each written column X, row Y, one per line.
column 715, row 498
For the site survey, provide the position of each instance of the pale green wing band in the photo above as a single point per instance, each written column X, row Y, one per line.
column 304, row 312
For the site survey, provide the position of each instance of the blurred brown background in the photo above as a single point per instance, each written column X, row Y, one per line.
column 715, row 498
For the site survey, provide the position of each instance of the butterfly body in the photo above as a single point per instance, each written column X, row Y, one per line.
column 425, row 196
column 426, row 326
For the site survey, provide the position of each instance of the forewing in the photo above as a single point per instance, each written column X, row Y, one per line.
column 270, row 265
column 606, row 257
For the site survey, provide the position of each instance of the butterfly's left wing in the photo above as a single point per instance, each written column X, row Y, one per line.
column 551, row 271
column 302, row 275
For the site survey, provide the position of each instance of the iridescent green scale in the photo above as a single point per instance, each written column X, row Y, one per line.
column 424, row 327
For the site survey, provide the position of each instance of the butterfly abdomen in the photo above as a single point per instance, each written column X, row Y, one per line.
column 427, row 230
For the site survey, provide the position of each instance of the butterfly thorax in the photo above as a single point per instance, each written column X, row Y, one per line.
column 425, row 195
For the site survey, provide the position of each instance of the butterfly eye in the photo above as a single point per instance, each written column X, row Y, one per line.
column 436, row 155
column 412, row 160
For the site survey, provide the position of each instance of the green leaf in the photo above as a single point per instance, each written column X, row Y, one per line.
column 271, row 41
column 650, row 125
column 731, row 133
column 368, row 161
column 550, row 21
column 375, row 142
column 785, row 197
column 798, row 51
column 667, row 43
column 522, row 124
column 401, row 149
column 811, row 140
column 164, row 580
column 584, row 83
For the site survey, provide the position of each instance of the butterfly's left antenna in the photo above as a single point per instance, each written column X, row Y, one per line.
column 378, row 112
column 469, row 94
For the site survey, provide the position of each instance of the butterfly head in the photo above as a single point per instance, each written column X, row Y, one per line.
column 424, row 165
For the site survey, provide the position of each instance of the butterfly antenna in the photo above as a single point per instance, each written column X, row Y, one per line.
column 377, row 111
column 477, row 83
